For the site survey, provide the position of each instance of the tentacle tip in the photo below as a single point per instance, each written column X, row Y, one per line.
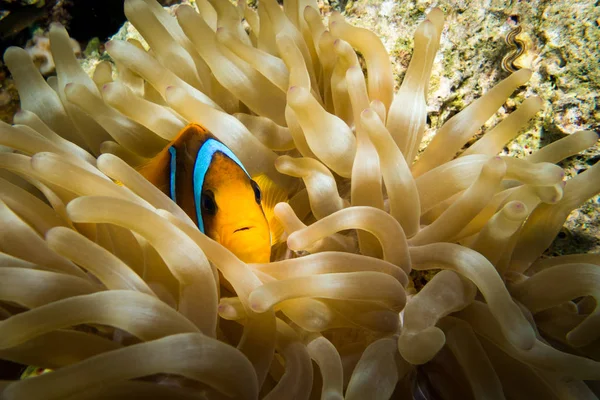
column 258, row 307
column 525, row 73
column 279, row 161
column 291, row 243
column 279, row 207
column 537, row 100
column 179, row 9
column 56, row 26
column 367, row 112
column 11, row 50
column 577, row 338
column 296, row 97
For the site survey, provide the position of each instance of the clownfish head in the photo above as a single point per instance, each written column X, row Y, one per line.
column 230, row 204
column 211, row 185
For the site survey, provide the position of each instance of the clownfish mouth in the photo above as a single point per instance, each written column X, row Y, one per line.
column 245, row 228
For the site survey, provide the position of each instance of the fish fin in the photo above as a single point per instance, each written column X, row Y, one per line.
column 271, row 195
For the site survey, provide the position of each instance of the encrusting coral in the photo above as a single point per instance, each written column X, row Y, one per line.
column 86, row 241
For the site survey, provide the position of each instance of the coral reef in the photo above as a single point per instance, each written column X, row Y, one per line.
column 9, row 98
column 560, row 36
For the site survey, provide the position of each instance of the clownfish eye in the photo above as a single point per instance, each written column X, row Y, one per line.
column 257, row 194
column 207, row 202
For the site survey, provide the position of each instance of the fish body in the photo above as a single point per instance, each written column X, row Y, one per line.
column 211, row 185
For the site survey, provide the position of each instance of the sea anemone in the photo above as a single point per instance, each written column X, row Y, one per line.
column 107, row 282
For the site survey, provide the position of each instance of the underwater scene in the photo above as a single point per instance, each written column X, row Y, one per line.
column 299, row 199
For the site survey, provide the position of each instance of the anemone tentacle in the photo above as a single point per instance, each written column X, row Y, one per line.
column 106, row 280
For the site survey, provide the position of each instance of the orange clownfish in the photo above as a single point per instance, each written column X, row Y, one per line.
column 211, row 185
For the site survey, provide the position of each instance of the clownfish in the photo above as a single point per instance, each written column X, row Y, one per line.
column 209, row 183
